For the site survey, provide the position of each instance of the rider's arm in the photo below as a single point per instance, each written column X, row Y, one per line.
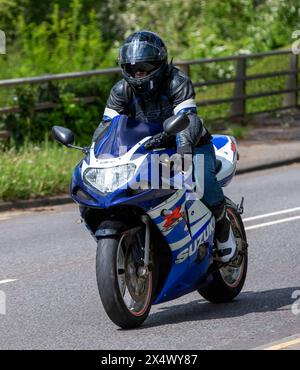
column 183, row 98
column 117, row 104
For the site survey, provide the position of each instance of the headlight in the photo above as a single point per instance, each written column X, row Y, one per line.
column 107, row 180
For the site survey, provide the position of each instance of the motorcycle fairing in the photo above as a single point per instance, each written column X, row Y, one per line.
column 186, row 225
column 187, row 271
column 226, row 151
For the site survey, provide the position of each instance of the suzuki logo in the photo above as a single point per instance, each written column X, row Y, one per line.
column 188, row 252
column 173, row 218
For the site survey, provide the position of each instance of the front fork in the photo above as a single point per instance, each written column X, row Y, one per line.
column 143, row 271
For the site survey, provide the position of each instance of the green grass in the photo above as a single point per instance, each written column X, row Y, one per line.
column 36, row 171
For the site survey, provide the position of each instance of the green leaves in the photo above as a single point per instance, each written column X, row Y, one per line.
column 65, row 41
column 76, row 35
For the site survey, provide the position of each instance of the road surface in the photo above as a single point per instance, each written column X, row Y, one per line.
column 47, row 280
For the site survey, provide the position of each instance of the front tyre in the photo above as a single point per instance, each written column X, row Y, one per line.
column 229, row 279
column 125, row 292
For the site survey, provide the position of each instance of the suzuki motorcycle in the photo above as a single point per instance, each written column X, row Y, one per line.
column 154, row 243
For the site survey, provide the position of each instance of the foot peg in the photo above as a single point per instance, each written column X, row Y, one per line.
column 240, row 207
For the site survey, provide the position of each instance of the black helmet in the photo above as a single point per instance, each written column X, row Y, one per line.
column 143, row 59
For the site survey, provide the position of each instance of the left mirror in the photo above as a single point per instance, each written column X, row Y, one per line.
column 175, row 124
column 63, row 135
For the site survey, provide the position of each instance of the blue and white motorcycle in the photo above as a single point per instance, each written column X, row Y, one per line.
column 154, row 243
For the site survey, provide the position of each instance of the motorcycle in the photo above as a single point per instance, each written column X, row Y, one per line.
column 154, row 243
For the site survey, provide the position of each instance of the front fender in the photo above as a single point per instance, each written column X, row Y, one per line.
column 110, row 228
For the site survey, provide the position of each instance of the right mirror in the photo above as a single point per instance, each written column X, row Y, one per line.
column 63, row 135
column 173, row 125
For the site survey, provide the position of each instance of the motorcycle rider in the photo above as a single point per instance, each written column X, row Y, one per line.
column 153, row 90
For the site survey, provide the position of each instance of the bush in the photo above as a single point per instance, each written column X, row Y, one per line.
column 85, row 34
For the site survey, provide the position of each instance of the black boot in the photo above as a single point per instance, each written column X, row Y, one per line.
column 226, row 243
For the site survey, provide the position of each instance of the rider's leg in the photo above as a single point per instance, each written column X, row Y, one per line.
column 213, row 197
column 226, row 244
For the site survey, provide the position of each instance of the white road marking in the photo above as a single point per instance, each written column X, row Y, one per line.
column 272, row 214
column 7, row 281
column 272, row 223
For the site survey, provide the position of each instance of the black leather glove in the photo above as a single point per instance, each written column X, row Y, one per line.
column 185, row 161
column 157, row 141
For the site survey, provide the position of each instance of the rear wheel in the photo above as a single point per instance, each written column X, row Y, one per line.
column 229, row 279
column 125, row 287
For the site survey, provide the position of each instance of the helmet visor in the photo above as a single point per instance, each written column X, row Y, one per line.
column 141, row 69
column 140, row 51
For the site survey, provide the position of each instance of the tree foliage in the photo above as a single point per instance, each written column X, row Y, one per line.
column 72, row 35
column 66, row 36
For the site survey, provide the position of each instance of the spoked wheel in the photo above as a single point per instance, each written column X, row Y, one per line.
column 125, row 286
column 232, row 273
column 229, row 279
column 134, row 282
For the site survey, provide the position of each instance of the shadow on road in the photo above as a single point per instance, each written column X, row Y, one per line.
column 246, row 303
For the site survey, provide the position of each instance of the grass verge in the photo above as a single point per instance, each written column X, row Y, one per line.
column 36, row 171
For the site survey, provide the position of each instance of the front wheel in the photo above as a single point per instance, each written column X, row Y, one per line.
column 125, row 289
column 229, row 279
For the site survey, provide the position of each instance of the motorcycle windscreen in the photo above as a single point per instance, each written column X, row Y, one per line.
column 123, row 134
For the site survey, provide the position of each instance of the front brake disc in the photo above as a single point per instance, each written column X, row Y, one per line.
column 136, row 285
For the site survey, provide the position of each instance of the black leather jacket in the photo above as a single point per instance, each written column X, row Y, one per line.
column 176, row 95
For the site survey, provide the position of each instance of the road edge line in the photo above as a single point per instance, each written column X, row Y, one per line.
column 280, row 344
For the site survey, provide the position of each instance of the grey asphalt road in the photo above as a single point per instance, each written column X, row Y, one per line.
column 54, row 302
